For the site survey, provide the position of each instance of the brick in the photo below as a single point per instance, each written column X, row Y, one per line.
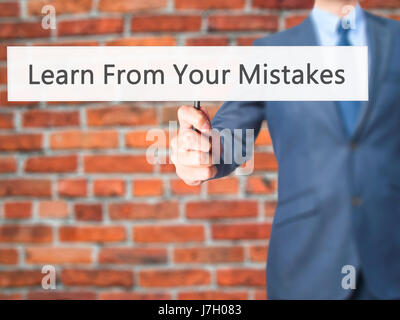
column 143, row 41
column 265, row 161
column 61, row 295
column 145, row 138
column 3, row 48
column 25, row 187
column 129, row 6
column 121, row 116
column 25, row 234
column 260, row 295
column 10, row 296
column 116, row 164
column 134, row 296
column 84, row 140
column 223, row 186
column 136, row 211
column 3, row 74
column 20, row 142
column 53, row 209
column 72, row 188
column 88, row 212
column 6, row 121
column 147, row 187
column 58, row 255
column 207, row 41
column 167, row 168
column 8, row 164
column 292, row 21
column 47, row 119
column 56, row 164
column 18, row 210
column 209, row 255
column 109, row 188
column 170, row 233
column 90, row 26
column 181, row 188
column 9, row 9
column 71, row 43
column 241, row 231
column 169, row 114
column 20, row 278
column 209, row 4
column 174, row 278
column 283, row 4
column 258, row 253
column 136, row 256
column 380, row 4
column 213, row 295
column 172, row 23
column 241, row 277
column 8, row 256
column 263, row 138
column 248, row 22
column 61, row 6
column 4, row 100
column 260, row 185
column 98, row 278
column 55, row 103
column 269, row 208
column 15, row 30
column 221, row 209
column 98, row 234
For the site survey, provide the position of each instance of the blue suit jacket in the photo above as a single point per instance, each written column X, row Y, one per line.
column 338, row 196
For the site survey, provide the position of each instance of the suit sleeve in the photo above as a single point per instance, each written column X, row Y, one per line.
column 232, row 120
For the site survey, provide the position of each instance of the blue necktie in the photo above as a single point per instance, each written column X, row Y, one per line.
column 348, row 109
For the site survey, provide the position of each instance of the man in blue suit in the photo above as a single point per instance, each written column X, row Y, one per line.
column 339, row 167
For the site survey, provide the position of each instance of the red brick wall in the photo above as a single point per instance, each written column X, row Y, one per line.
column 77, row 193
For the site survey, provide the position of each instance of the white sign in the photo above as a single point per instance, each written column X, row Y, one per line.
column 258, row 73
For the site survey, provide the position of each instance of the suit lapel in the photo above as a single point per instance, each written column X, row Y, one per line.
column 379, row 43
column 307, row 35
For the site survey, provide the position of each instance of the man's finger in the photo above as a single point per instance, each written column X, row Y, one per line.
column 191, row 174
column 189, row 139
column 190, row 117
column 191, row 158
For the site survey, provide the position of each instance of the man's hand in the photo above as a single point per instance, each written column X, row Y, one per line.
column 190, row 149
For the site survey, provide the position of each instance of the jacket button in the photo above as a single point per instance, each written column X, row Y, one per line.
column 353, row 145
column 356, row 201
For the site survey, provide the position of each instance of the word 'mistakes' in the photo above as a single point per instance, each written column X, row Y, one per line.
column 183, row 74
